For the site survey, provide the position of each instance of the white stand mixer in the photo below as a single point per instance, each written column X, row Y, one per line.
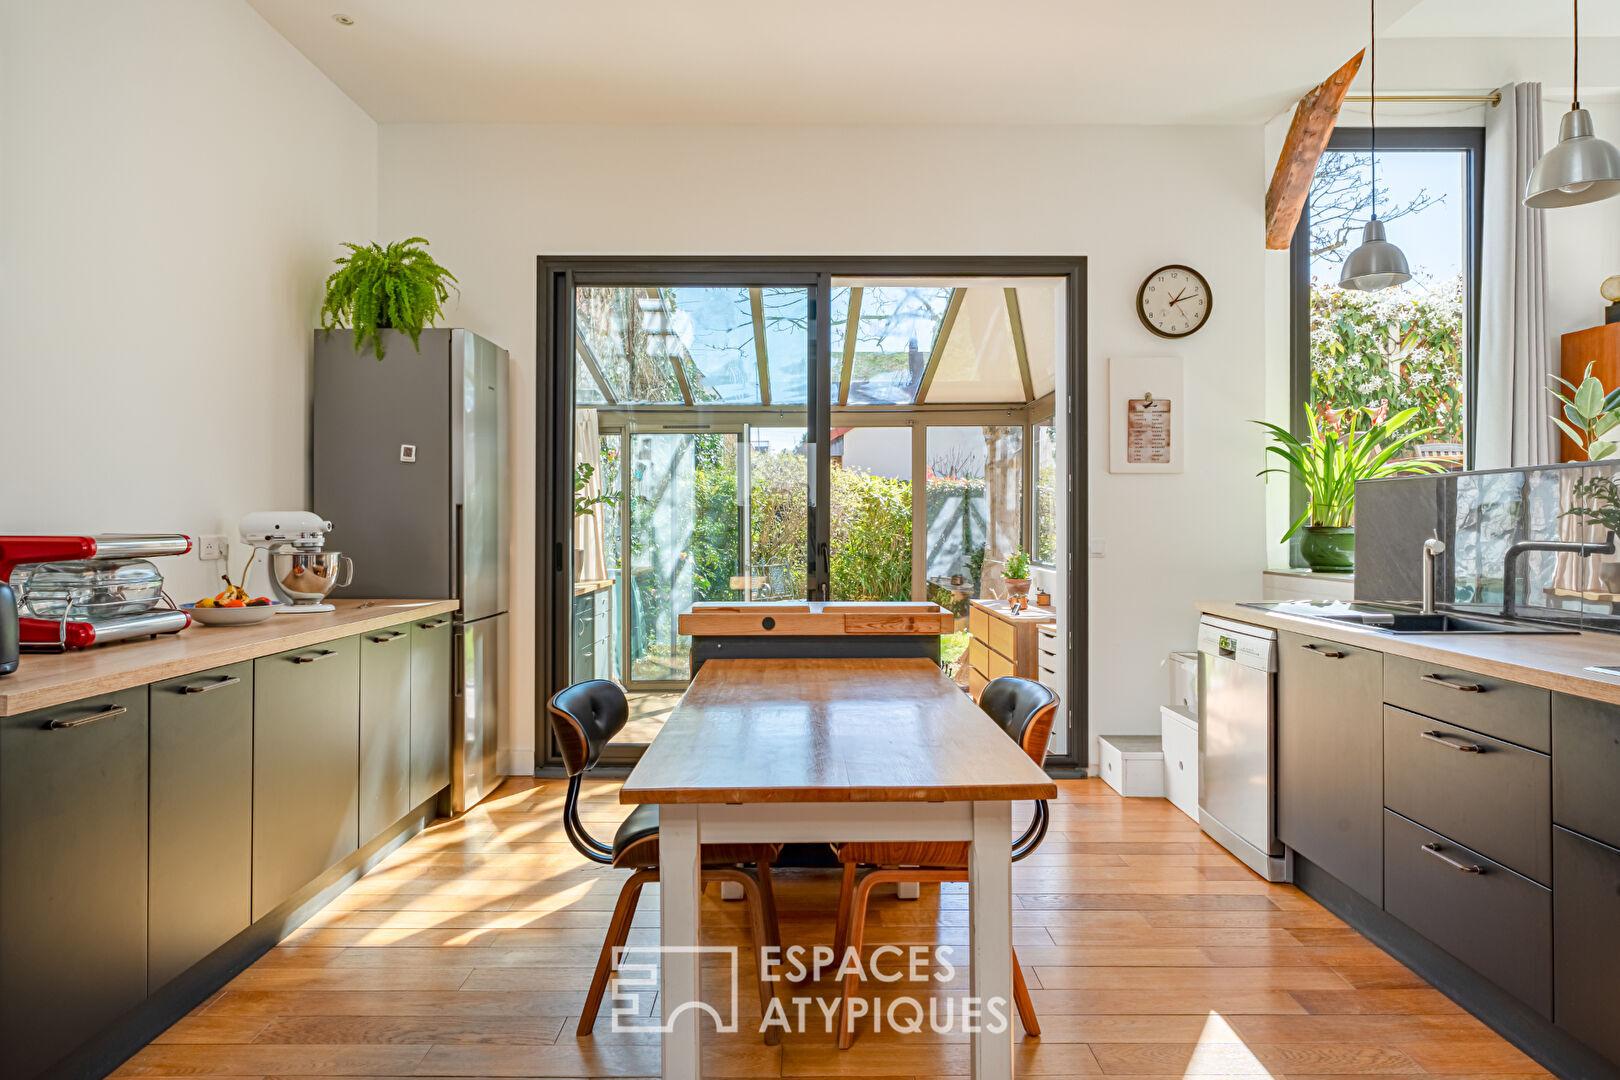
column 302, row 572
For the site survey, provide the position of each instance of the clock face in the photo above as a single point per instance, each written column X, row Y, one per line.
column 1174, row 301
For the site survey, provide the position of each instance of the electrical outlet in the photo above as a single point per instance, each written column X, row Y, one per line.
column 213, row 547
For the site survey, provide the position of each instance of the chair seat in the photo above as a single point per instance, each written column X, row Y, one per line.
column 636, row 844
column 938, row 854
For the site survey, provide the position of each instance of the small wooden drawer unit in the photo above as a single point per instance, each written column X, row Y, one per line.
column 1003, row 643
column 1496, row 921
column 1496, row 707
column 1491, row 795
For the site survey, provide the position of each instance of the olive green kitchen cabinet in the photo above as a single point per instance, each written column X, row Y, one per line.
column 385, row 728
column 73, row 854
column 1330, row 758
column 430, row 707
column 306, row 766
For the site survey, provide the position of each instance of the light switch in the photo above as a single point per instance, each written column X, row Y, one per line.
column 1098, row 548
column 407, row 453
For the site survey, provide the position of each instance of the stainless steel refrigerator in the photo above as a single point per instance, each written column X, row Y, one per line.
column 409, row 463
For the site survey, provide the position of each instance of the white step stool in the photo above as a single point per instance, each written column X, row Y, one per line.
column 1133, row 765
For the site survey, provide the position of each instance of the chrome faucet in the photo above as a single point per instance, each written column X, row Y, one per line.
column 1431, row 547
column 1510, row 584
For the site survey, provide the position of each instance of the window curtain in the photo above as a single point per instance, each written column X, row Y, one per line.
column 589, row 528
column 1515, row 350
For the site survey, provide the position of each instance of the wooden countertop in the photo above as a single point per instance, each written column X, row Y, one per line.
column 746, row 618
column 1002, row 610
column 815, row 730
column 44, row 679
column 1553, row 661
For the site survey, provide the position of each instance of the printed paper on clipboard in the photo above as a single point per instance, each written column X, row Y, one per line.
column 1148, row 431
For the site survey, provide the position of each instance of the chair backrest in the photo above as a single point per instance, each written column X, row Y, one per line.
column 588, row 715
column 1024, row 709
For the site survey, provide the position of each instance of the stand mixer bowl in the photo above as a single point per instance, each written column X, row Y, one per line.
column 306, row 577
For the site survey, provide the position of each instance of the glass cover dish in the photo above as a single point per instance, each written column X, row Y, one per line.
column 87, row 588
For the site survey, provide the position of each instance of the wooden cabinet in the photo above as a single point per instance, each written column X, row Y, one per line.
column 306, row 775
column 1330, row 758
column 1586, row 941
column 592, row 654
column 385, row 729
column 73, row 835
column 1598, row 346
column 1001, row 643
column 430, row 708
column 201, row 861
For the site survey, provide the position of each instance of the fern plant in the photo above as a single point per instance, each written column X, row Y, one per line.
column 377, row 288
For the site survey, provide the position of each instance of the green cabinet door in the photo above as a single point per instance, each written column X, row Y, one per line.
column 201, row 817
column 306, row 766
column 430, row 707
column 73, row 782
column 385, row 729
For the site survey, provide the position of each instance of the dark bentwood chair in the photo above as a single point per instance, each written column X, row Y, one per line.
column 587, row 716
column 1024, row 710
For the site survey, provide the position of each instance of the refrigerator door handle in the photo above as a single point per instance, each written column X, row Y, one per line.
column 458, row 665
column 460, row 584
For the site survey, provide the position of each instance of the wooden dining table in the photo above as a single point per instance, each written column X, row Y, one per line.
column 832, row 750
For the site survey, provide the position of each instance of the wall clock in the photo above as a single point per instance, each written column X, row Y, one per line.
column 1174, row 301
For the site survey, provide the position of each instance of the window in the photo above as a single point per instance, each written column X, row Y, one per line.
column 1413, row 345
column 1044, row 548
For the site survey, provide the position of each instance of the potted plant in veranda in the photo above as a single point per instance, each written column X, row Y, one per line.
column 584, row 504
column 1015, row 571
column 1590, row 414
column 375, row 288
column 1329, row 464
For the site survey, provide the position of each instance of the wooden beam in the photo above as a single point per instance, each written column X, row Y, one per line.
column 1015, row 317
column 756, row 301
column 1314, row 118
column 851, row 324
column 938, row 351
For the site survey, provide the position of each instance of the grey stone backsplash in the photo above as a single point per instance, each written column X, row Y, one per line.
column 1478, row 515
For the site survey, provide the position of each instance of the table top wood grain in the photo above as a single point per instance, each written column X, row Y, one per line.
column 830, row 730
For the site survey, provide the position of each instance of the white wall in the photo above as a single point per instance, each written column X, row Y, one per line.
column 174, row 180
column 492, row 198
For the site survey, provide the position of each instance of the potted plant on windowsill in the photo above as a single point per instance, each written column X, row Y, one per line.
column 1015, row 572
column 376, row 289
column 1329, row 464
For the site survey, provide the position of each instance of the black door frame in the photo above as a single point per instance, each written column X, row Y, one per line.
column 556, row 278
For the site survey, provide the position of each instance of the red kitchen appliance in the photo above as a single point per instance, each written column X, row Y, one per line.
column 78, row 591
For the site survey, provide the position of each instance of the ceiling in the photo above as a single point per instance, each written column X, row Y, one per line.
column 1506, row 18
column 830, row 62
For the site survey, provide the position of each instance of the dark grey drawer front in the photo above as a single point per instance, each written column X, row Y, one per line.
column 1493, row 796
column 385, row 729
column 1586, row 767
column 202, row 817
column 1493, row 920
column 72, row 874
column 1505, row 710
column 430, row 707
column 1586, row 942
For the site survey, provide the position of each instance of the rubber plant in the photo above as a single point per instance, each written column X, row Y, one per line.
column 1331, row 461
column 376, row 288
column 1591, row 414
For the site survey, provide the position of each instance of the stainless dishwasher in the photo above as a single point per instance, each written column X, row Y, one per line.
column 1237, row 743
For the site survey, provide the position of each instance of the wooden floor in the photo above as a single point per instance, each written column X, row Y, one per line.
column 1149, row 951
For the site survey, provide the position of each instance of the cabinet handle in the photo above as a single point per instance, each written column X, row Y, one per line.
column 395, row 636
column 1452, row 741
column 310, row 658
column 434, row 625
column 203, row 688
column 1330, row 654
column 1455, row 864
column 88, row 718
column 1462, row 687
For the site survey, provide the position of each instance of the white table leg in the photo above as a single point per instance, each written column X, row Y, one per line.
column 679, row 890
column 990, row 953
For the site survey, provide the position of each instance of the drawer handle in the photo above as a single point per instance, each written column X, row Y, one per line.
column 1329, row 654
column 383, row 640
column 1463, row 687
column 1452, row 741
column 434, row 625
column 204, row 687
column 310, row 658
column 1455, row 864
column 88, row 718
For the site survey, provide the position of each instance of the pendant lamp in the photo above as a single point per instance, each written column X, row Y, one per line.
column 1377, row 263
column 1582, row 168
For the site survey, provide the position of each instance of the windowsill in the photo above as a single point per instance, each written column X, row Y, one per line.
column 1303, row 572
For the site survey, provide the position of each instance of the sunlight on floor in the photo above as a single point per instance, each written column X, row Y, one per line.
column 1221, row 1053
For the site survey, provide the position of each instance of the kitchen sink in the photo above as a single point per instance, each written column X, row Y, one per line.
column 1393, row 619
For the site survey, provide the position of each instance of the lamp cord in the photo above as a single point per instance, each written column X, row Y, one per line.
column 1372, row 37
column 1576, row 92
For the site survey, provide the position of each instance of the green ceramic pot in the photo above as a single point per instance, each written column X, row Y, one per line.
column 1329, row 549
